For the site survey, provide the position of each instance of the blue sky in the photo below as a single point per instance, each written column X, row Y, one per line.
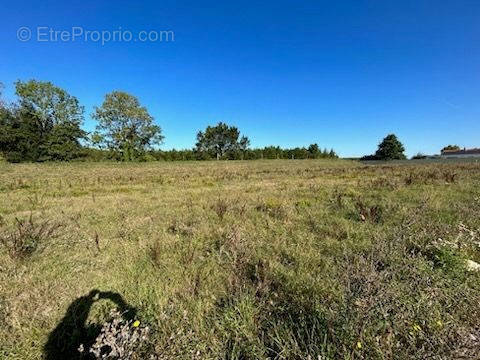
column 342, row 74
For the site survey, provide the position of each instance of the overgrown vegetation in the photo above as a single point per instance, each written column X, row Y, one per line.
column 27, row 236
column 246, row 260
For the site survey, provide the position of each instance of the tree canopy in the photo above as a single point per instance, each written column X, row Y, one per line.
column 52, row 105
column 125, row 126
column 390, row 149
column 221, row 141
column 44, row 124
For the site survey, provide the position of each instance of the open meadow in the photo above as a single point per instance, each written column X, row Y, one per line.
column 281, row 259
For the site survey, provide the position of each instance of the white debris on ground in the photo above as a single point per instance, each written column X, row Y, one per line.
column 473, row 266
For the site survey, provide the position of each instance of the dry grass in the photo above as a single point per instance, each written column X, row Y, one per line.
column 27, row 237
column 247, row 260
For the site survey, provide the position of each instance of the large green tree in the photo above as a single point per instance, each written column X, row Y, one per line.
column 53, row 105
column 390, row 149
column 221, row 141
column 44, row 125
column 125, row 126
column 20, row 136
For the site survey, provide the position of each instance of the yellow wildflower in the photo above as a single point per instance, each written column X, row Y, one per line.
column 417, row 327
column 359, row 345
column 136, row 324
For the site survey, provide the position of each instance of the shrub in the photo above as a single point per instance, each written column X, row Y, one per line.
column 220, row 208
column 369, row 213
column 27, row 237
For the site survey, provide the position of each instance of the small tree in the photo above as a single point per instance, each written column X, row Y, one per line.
column 221, row 140
column 314, row 151
column 390, row 149
column 125, row 126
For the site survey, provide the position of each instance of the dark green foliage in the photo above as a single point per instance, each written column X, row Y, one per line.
column 20, row 136
column 63, row 143
column 419, row 156
column 275, row 152
column 221, row 142
column 272, row 152
column 314, row 151
column 389, row 149
column 369, row 158
column 175, row 155
column 44, row 126
column 268, row 152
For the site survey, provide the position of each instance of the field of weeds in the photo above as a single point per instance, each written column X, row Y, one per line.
column 240, row 260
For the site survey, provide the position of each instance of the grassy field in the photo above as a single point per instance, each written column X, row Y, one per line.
column 242, row 260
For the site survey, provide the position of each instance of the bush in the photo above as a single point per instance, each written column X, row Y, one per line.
column 220, row 208
column 27, row 237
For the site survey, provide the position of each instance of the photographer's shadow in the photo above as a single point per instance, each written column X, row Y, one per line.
column 64, row 341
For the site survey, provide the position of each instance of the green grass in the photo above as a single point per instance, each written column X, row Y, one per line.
column 250, row 260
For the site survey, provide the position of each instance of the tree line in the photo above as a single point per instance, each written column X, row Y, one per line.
column 45, row 124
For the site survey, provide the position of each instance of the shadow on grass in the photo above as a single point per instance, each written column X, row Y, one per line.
column 73, row 331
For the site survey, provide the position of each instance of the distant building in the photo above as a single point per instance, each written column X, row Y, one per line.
column 465, row 153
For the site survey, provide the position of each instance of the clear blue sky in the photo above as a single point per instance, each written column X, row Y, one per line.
column 339, row 73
